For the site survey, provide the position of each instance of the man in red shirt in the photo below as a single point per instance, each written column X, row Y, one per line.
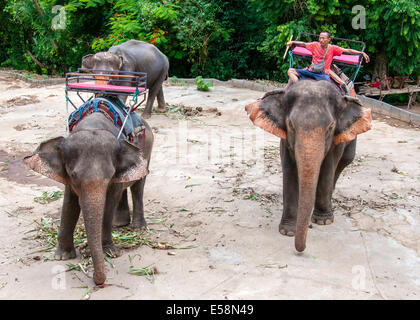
column 376, row 84
column 318, row 50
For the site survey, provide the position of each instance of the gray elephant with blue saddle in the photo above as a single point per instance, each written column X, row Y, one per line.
column 135, row 56
column 96, row 167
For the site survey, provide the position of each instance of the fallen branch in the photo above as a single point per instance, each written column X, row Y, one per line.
column 40, row 64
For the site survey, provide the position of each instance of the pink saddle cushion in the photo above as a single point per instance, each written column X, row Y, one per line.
column 345, row 58
column 103, row 87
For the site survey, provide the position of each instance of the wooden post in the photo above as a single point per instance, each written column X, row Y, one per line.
column 412, row 99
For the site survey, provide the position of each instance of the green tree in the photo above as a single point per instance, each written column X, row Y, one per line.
column 197, row 28
column 392, row 30
column 183, row 29
column 43, row 47
column 393, row 34
column 211, row 38
column 237, row 55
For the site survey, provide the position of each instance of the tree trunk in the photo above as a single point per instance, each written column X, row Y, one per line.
column 381, row 66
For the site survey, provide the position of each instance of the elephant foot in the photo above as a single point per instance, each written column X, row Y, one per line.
column 146, row 115
column 322, row 218
column 287, row 230
column 65, row 254
column 121, row 219
column 111, row 251
column 139, row 224
column 99, row 277
column 161, row 110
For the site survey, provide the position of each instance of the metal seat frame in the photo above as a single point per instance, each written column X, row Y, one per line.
column 138, row 80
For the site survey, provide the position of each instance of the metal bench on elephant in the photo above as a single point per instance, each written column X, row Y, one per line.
column 344, row 68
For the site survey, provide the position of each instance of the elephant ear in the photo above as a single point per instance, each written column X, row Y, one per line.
column 126, row 61
column 87, row 61
column 131, row 164
column 48, row 161
column 353, row 119
column 121, row 62
column 269, row 114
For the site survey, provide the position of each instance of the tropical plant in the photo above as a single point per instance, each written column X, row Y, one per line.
column 221, row 39
column 202, row 85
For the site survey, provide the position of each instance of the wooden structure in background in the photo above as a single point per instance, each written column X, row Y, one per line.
column 411, row 90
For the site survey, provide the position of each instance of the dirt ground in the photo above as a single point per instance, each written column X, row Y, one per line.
column 215, row 189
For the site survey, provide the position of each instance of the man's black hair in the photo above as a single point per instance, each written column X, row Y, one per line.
column 329, row 34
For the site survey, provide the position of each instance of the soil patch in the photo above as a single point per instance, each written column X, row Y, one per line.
column 14, row 169
column 22, row 100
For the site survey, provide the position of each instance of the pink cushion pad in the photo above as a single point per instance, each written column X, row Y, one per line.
column 103, row 87
column 302, row 51
column 345, row 58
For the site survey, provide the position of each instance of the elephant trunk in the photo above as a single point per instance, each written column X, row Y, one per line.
column 92, row 203
column 309, row 151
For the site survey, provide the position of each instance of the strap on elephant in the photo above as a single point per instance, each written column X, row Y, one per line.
column 128, row 123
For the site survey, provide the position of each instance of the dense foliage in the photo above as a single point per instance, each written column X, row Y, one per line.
column 211, row 38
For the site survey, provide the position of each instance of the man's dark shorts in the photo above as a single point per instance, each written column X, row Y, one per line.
column 306, row 74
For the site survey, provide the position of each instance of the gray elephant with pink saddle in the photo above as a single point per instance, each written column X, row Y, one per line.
column 135, row 56
column 318, row 128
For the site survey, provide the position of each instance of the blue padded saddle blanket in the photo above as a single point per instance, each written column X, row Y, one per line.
column 113, row 109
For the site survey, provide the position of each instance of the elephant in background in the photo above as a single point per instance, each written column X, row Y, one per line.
column 135, row 56
column 318, row 128
column 96, row 168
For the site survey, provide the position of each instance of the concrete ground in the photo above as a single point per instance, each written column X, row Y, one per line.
column 215, row 187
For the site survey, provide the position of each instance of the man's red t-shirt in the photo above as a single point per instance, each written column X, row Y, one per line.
column 375, row 85
column 318, row 54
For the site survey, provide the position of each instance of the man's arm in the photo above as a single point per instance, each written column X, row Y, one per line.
column 356, row 52
column 297, row 43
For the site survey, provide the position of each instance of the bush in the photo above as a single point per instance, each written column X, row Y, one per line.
column 202, row 85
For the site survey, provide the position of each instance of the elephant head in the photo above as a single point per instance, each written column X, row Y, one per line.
column 89, row 162
column 312, row 117
column 107, row 61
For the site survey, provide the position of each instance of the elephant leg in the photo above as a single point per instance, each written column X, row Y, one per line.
column 161, row 101
column 346, row 158
column 334, row 163
column 153, row 92
column 137, row 190
column 322, row 213
column 122, row 213
column 287, row 225
column 69, row 216
column 147, row 112
column 113, row 197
